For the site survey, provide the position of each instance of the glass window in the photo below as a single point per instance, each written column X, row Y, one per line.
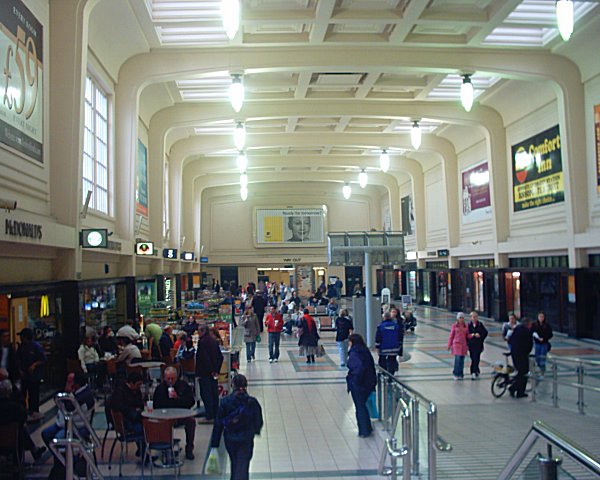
column 95, row 147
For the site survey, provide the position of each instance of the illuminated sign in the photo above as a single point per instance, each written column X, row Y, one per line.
column 187, row 256
column 94, row 238
column 144, row 248
column 170, row 253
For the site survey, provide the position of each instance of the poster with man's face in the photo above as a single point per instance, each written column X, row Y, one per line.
column 290, row 226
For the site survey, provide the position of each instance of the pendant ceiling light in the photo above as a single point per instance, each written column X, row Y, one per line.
column 347, row 191
column 239, row 136
column 466, row 93
column 384, row 161
column 564, row 18
column 230, row 13
column 242, row 161
column 236, row 92
column 244, row 193
column 244, row 180
column 415, row 135
column 363, row 178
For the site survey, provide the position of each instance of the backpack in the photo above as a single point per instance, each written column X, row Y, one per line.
column 242, row 418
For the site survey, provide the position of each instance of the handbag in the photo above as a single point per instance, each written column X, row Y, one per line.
column 258, row 338
column 321, row 351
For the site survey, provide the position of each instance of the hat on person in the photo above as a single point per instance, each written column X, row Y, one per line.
column 460, row 315
column 26, row 332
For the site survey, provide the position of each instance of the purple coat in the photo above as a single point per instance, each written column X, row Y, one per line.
column 457, row 342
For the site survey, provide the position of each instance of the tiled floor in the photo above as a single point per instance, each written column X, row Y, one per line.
column 310, row 429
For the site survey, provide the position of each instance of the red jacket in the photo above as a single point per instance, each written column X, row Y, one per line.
column 274, row 323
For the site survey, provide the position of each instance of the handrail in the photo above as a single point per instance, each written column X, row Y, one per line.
column 567, row 359
column 542, row 430
column 393, row 379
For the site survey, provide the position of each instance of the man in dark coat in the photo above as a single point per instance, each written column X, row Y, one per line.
column 175, row 393
column 521, row 343
column 208, row 365
column 361, row 381
column 388, row 341
column 258, row 304
column 31, row 359
column 475, row 338
column 165, row 344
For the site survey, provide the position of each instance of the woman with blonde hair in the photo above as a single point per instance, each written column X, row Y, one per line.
column 457, row 344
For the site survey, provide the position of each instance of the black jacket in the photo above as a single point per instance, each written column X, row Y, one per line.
column 474, row 343
column 165, row 344
column 521, row 341
column 361, row 370
column 184, row 393
column 208, row 356
column 227, row 405
column 309, row 338
column 129, row 402
column 544, row 331
column 11, row 364
column 343, row 325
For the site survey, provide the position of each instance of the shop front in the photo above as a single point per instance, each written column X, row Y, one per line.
column 106, row 302
column 472, row 287
column 435, row 284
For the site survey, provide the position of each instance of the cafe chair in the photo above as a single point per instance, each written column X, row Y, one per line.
column 9, row 447
column 123, row 437
column 188, row 369
column 159, row 437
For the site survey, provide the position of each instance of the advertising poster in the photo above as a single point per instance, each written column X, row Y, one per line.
column 141, row 181
column 537, row 171
column 597, row 130
column 291, row 227
column 21, row 85
column 304, row 284
column 408, row 215
column 476, row 203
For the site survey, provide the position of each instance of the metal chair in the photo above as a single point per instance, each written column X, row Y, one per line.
column 10, row 446
column 123, row 437
column 159, row 437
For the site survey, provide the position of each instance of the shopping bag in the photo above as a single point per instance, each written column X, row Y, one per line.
column 258, row 339
column 321, row 351
column 372, row 405
column 213, row 466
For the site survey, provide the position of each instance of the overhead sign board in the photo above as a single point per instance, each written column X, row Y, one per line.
column 94, row 238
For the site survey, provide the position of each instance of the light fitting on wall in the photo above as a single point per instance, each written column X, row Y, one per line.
column 239, row 136
column 384, row 161
column 363, row 178
column 347, row 191
column 242, row 161
column 244, row 180
column 466, row 92
column 415, row 135
column 564, row 18
column 230, row 14
column 236, row 92
column 244, row 193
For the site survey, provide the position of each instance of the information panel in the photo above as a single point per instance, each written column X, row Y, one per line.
column 296, row 226
column 21, row 84
column 476, row 204
column 537, row 171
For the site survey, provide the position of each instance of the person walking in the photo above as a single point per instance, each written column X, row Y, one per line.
column 521, row 343
column 274, row 324
column 239, row 419
column 258, row 304
column 361, row 381
column 309, row 337
column 457, row 344
column 508, row 327
column 251, row 331
column 208, row 366
column 388, row 341
column 344, row 328
column 542, row 333
column 31, row 359
column 475, row 338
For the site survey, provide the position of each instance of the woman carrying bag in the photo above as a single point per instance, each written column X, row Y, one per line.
column 361, row 381
column 251, row 331
column 308, row 340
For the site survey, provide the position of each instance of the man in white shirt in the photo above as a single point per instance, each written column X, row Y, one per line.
column 129, row 352
column 127, row 331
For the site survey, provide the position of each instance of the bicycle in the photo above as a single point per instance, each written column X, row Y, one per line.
column 505, row 376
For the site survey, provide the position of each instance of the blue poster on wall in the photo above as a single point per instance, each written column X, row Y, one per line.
column 141, row 180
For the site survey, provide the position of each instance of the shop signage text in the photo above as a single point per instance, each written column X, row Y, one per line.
column 23, row 229
column 293, row 259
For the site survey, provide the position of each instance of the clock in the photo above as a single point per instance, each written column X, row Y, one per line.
column 94, row 238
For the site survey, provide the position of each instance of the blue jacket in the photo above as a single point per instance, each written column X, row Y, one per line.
column 389, row 337
column 228, row 405
column 361, row 370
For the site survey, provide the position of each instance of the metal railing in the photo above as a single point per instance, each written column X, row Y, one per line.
column 541, row 430
column 582, row 367
column 77, row 441
column 395, row 402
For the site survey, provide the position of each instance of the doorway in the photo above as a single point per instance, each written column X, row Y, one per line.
column 354, row 275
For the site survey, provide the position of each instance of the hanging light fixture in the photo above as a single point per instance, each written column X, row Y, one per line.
column 564, row 18
column 363, row 178
column 415, row 135
column 230, row 13
column 466, row 93
column 244, row 180
column 347, row 191
column 236, row 92
column 239, row 136
column 384, row 161
column 244, row 193
column 242, row 161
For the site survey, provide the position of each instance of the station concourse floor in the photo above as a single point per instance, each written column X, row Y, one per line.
column 310, row 428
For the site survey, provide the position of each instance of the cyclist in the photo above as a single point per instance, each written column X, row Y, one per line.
column 521, row 343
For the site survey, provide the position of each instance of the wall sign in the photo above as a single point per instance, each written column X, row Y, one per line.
column 476, row 203
column 21, row 80
column 15, row 228
column 170, row 253
column 141, row 181
column 144, row 248
column 189, row 256
column 292, row 227
column 597, row 130
column 537, row 171
column 94, row 238
column 408, row 214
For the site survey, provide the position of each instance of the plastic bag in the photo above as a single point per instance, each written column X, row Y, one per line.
column 213, row 466
column 258, row 339
column 372, row 405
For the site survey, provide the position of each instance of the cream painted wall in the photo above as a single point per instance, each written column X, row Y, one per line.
column 435, row 207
